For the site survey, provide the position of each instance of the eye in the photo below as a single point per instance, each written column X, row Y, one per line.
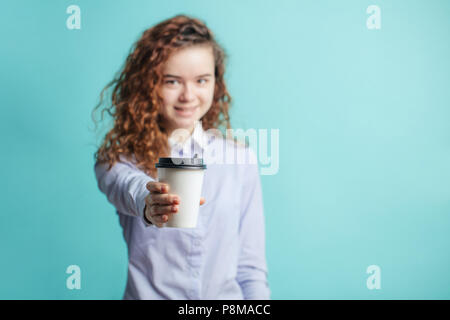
column 171, row 82
column 202, row 81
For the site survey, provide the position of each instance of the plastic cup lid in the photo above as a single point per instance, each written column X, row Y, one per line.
column 181, row 163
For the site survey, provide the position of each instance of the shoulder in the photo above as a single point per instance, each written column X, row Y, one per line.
column 128, row 159
column 123, row 162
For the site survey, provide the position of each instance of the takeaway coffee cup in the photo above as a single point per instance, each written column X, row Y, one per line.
column 185, row 178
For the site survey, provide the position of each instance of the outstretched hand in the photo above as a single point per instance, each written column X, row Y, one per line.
column 159, row 203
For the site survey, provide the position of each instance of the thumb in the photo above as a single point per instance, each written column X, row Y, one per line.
column 202, row 200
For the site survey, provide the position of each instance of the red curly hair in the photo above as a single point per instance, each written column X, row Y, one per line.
column 136, row 101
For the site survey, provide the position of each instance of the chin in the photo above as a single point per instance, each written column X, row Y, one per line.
column 185, row 123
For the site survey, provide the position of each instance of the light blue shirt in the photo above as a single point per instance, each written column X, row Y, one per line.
column 224, row 257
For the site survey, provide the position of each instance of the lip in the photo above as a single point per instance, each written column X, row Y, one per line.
column 185, row 112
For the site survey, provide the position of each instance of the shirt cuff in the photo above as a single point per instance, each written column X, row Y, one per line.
column 146, row 221
column 255, row 290
column 141, row 207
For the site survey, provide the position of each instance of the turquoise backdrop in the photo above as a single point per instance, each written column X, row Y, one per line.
column 364, row 127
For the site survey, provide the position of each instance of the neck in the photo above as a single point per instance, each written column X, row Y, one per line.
column 180, row 135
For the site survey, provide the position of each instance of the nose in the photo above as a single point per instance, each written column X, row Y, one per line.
column 187, row 94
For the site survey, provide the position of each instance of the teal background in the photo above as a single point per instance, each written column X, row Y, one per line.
column 364, row 174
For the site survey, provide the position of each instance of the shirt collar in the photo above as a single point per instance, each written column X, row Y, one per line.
column 198, row 138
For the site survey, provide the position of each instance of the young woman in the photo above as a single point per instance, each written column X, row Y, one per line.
column 173, row 81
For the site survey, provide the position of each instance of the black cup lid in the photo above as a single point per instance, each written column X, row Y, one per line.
column 181, row 163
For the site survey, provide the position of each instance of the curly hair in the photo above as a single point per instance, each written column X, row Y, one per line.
column 136, row 100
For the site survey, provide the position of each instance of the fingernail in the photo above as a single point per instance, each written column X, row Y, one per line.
column 174, row 208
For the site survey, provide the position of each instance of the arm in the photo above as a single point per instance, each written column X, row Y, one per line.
column 124, row 186
column 252, row 267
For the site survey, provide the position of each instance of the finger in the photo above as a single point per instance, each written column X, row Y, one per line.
column 159, row 224
column 160, row 219
column 165, row 198
column 159, row 187
column 163, row 209
column 202, row 200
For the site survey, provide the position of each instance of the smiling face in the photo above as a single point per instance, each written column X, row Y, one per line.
column 188, row 87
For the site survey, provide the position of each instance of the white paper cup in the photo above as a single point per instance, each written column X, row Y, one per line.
column 185, row 179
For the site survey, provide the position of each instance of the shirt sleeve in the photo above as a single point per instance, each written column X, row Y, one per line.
column 252, row 266
column 124, row 186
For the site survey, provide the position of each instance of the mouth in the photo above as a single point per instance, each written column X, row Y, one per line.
column 185, row 112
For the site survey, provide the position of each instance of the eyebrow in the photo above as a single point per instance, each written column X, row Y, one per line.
column 178, row 77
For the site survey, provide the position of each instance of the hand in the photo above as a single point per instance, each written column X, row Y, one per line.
column 159, row 204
